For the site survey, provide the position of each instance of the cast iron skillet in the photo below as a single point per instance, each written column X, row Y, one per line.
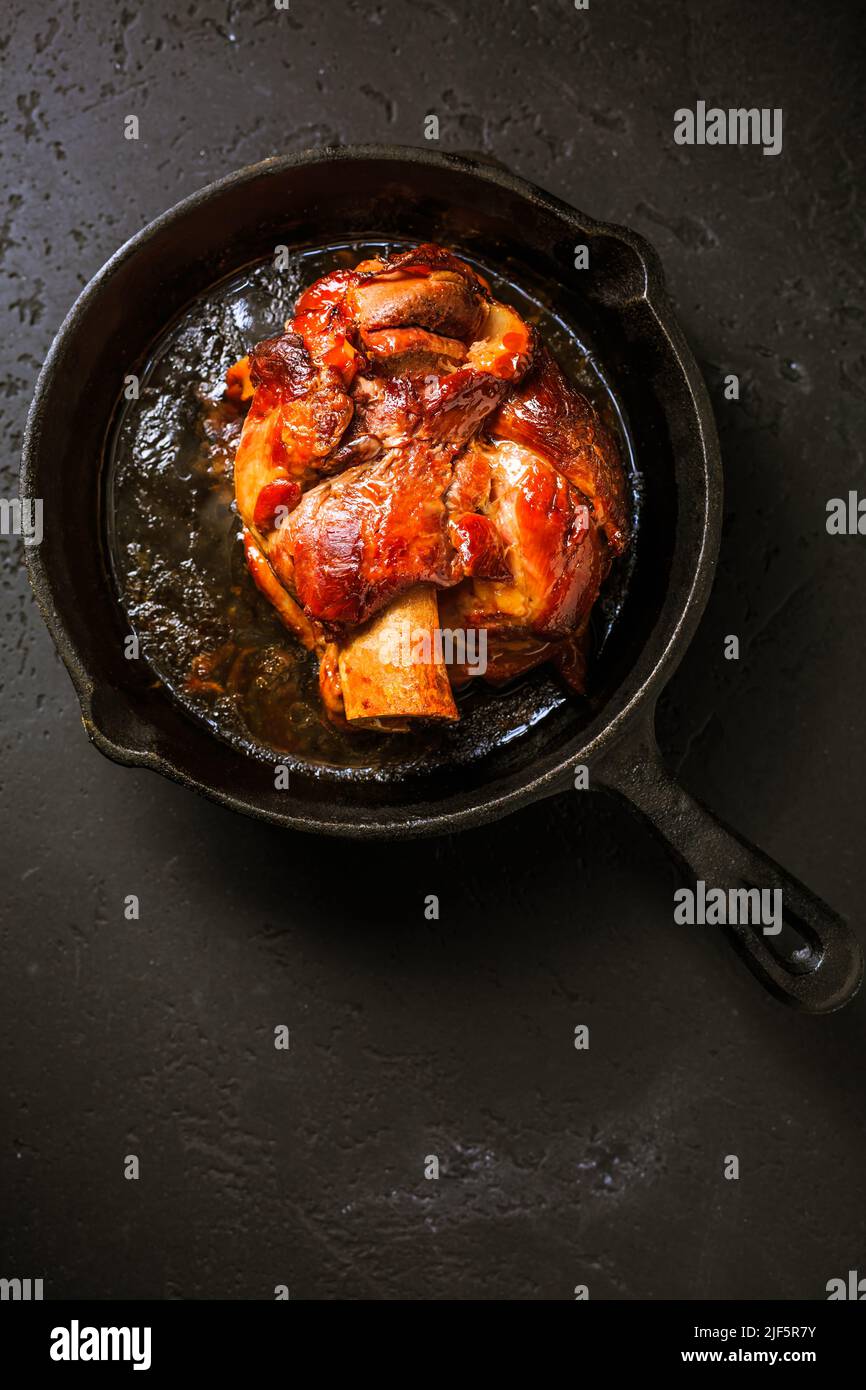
column 326, row 195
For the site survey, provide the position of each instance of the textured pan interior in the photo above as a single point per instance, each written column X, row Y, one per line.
column 619, row 303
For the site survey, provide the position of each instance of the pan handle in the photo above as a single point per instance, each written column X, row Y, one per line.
column 814, row 961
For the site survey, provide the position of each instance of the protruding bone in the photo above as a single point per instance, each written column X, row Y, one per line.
column 392, row 668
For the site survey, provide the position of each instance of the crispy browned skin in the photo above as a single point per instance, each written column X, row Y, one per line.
column 408, row 430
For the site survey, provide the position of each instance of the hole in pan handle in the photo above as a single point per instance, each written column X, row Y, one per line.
column 814, row 962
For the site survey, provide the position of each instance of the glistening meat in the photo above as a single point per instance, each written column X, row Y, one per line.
column 414, row 455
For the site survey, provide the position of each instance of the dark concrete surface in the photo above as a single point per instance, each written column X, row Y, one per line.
column 455, row 1037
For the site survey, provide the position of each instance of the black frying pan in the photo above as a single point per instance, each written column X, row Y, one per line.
column 325, row 195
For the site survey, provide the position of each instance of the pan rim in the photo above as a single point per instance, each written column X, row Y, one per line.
column 612, row 722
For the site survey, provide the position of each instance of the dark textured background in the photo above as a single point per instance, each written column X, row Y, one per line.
column 455, row 1038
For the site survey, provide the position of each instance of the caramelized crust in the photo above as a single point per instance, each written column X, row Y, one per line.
column 407, row 430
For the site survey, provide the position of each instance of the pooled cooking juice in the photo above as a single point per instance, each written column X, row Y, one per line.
column 205, row 630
